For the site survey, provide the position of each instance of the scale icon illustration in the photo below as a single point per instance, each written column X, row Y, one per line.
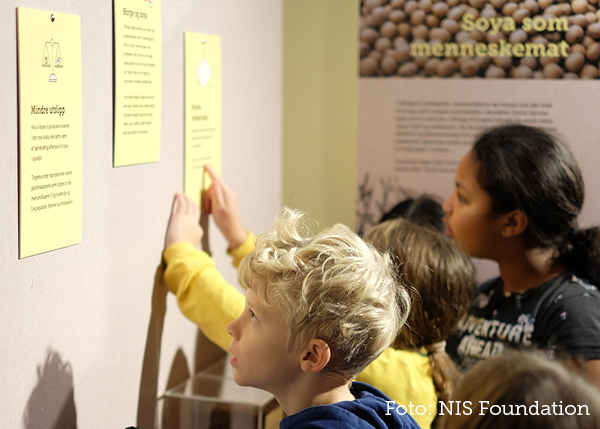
column 52, row 58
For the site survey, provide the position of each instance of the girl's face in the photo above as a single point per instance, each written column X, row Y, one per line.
column 469, row 219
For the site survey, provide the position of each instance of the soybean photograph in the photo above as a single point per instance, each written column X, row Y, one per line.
column 531, row 39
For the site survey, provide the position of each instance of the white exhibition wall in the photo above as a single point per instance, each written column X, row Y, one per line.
column 77, row 325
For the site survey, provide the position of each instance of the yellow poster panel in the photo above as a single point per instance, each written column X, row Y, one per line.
column 138, row 81
column 202, row 110
column 50, row 136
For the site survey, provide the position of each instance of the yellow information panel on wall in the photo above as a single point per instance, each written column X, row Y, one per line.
column 50, row 136
column 138, row 81
column 202, row 110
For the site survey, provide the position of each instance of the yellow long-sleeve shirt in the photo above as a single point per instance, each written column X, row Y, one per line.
column 209, row 301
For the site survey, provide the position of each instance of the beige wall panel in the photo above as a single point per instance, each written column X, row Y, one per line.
column 74, row 322
column 320, row 108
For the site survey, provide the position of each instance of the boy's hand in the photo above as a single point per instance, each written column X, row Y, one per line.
column 221, row 201
column 184, row 224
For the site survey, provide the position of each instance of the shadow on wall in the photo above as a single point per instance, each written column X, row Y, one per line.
column 206, row 352
column 146, row 413
column 52, row 402
column 179, row 372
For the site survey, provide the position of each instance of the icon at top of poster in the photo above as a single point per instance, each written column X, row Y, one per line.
column 52, row 57
column 204, row 72
column 494, row 40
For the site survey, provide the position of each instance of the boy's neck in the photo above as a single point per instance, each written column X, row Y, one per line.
column 313, row 390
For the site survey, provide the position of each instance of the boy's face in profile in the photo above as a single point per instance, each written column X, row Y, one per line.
column 260, row 357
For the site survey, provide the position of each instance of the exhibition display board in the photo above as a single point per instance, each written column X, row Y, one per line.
column 435, row 74
column 137, row 81
column 202, row 111
column 50, row 121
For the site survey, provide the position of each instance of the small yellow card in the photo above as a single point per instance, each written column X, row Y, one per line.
column 202, row 110
column 50, row 131
column 138, row 81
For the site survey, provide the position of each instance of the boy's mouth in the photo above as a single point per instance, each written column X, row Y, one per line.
column 232, row 360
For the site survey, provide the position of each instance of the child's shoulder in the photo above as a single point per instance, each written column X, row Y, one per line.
column 371, row 409
column 569, row 291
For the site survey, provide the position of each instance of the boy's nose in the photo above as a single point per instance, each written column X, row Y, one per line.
column 232, row 329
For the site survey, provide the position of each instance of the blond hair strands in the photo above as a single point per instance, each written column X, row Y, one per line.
column 332, row 286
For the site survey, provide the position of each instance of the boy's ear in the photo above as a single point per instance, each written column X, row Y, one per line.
column 315, row 356
column 514, row 223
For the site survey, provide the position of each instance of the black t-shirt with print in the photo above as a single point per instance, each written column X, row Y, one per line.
column 561, row 316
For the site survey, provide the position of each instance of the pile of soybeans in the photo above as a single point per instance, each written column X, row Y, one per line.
column 539, row 39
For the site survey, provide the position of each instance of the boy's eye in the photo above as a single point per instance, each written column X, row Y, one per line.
column 460, row 197
column 252, row 315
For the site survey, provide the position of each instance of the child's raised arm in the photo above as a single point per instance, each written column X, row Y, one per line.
column 202, row 293
column 221, row 201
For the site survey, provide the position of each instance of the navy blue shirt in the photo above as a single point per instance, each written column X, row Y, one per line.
column 371, row 409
